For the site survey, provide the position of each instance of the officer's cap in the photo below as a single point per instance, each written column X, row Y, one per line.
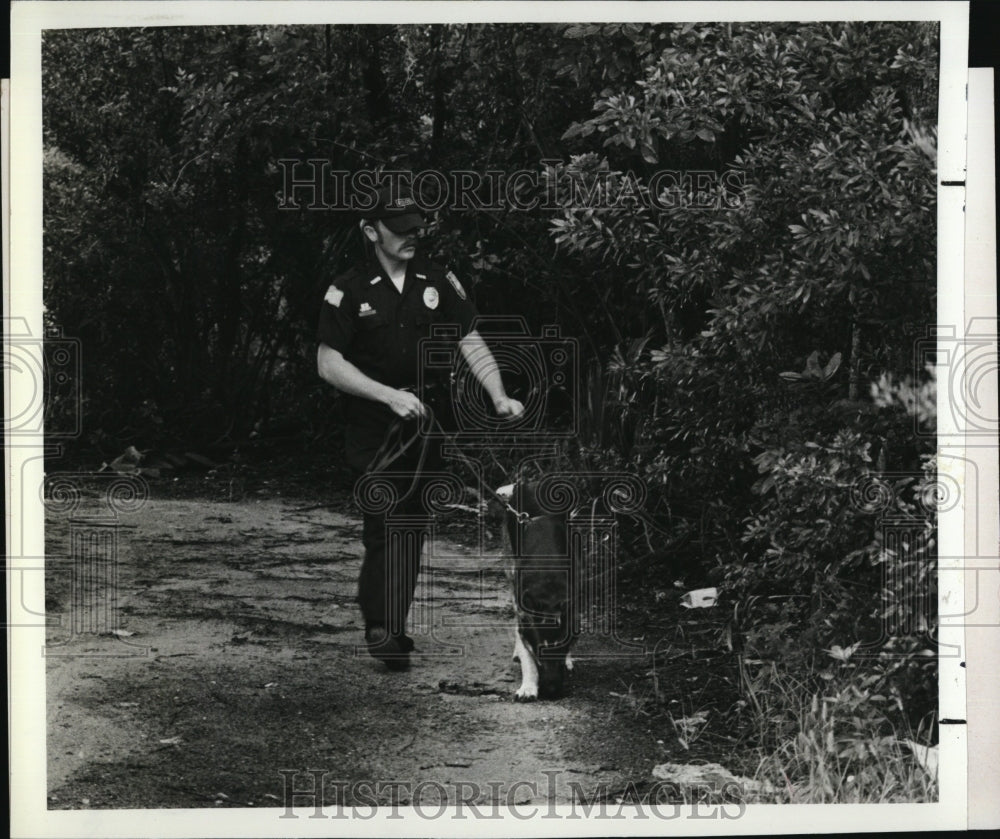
column 397, row 210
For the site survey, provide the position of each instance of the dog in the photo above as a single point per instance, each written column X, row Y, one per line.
column 545, row 593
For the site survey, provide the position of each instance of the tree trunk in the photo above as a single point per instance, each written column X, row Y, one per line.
column 439, row 114
column 855, row 373
column 376, row 90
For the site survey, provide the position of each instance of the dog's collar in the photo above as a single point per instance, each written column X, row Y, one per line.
column 505, row 493
column 523, row 517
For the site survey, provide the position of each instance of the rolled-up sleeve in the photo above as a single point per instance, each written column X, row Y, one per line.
column 457, row 305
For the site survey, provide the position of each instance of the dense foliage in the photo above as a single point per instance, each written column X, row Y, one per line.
column 731, row 327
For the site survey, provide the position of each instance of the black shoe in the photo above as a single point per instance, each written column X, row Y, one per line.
column 393, row 651
column 377, row 635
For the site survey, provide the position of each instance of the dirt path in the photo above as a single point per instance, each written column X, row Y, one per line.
column 242, row 663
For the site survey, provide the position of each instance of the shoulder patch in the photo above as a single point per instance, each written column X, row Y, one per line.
column 455, row 284
column 333, row 296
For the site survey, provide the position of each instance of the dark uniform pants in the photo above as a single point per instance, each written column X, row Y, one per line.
column 393, row 539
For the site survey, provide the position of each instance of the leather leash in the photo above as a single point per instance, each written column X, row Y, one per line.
column 385, row 457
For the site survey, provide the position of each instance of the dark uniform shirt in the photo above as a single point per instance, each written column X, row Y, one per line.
column 378, row 329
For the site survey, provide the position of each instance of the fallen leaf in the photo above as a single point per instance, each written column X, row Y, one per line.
column 201, row 460
column 127, row 463
column 689, row 725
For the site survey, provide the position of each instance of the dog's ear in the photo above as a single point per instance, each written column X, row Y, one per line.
column 506, row 492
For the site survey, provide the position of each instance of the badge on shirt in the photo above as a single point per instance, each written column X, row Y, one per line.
column 333, row 296
column 431, row 298
column 455, row 284
column 365, row 310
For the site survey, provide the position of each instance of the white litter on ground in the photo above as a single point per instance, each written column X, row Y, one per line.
column 927, row 757
column 700, row 598
column 710, row 775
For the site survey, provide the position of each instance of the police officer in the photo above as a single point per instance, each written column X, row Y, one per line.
column 370, row 325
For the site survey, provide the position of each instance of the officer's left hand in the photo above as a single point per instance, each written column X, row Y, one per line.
column 507, row 407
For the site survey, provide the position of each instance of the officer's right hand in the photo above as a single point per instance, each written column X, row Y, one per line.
column 405, row 404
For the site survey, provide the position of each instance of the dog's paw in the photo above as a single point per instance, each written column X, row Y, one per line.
column 569, row 663
column 526, row 693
